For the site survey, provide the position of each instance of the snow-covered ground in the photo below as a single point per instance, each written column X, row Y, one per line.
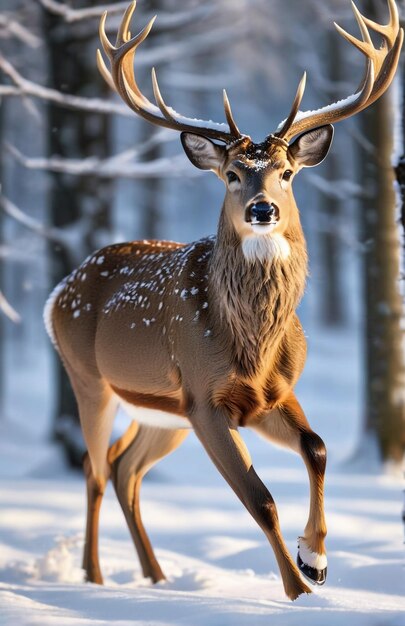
column 220, row 569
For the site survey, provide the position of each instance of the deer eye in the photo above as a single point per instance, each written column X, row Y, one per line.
column 287, row 174
column 232, row 177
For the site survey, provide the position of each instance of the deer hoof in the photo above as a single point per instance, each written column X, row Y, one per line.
column 93, row 576
column 312, row 565
column 314, row 575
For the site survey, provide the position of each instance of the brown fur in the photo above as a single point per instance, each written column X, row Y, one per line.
column 257, row 302
column 197, row 330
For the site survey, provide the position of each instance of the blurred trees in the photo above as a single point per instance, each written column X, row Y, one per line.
column 84, row 200
column 333, row 307
column 400, row 169
column 385, row 379
column 383, row 306
column 257, row 49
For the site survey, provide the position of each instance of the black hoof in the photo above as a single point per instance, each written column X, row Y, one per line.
column 315, row 576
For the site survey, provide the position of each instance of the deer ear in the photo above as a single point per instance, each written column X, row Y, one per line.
column 202, row 152
column 311, row 148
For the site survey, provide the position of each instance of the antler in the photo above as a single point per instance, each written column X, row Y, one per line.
column 380, row 69
column 122, row 79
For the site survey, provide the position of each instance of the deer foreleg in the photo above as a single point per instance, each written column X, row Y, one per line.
column 231, row 456
column 288, row 426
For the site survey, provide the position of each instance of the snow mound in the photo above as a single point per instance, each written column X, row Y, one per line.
column 60, row 563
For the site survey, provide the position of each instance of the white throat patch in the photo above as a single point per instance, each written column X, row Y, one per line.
column 263, row 248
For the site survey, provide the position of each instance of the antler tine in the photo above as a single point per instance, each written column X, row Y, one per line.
column 105, row 73
column 159, row 100
column 380, row 69
column 170, row 114
column 294, row 108
column 365, row 46
column 384, row 59
column 123, row 68
column 387, row 70
column 123, row 34
column 362, row 25
column 105, row 42
column 229, row 117
column 122, row 78
column 131, row 44
column 360, row 45
column 388, row 31
column 108, row 49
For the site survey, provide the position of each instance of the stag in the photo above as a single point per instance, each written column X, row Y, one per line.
column 205, row 335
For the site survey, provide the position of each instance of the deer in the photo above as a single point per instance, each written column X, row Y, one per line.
column 205, row 336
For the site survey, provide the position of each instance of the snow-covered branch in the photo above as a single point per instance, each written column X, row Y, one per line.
column 341, row 189
column 166, row 53
column 70, row 238
column 24, row 87
column 188, row 47
column 114, row 167
column 7, row 309
column 10, row 209
column 167, row 20
column 75, row 15
column 9, row 27
column 9, row 90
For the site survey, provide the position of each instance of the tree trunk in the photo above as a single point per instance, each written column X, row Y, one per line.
column 385, row 408
column 150, row 190
column 74, row 134
column 2, row 319
column 332, row 301
column 400, row 167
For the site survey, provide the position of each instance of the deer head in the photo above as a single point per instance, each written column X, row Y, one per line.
column 259, row 203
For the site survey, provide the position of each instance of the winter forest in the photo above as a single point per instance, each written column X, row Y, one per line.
column 78, row 171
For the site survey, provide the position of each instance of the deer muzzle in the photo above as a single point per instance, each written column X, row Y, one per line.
column 262, row 213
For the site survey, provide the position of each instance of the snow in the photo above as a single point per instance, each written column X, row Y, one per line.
column 219, row 566
column 220, row 569
column 329, row 108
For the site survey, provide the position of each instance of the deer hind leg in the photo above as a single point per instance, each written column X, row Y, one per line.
column 230, row 455
column 127, row 471
column 288, row 426
column 97, row 407
column 91, row 563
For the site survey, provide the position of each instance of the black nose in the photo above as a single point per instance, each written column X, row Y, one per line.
column 260, row 212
